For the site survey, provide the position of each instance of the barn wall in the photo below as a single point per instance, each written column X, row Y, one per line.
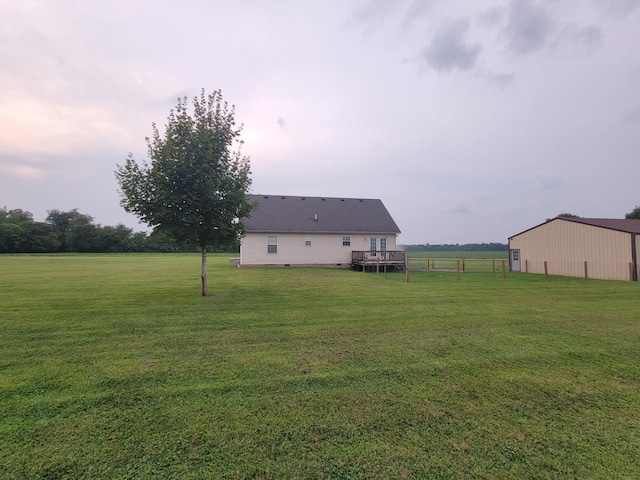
column 565, row 246
column 325, row 249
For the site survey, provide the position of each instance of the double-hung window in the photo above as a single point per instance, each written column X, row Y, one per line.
column 307, row 240
column 272, row 244
column 346, row 241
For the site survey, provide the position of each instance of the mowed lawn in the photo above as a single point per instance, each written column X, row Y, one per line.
column 114, row 367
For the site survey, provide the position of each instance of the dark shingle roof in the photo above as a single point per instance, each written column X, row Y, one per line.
column 277, row 213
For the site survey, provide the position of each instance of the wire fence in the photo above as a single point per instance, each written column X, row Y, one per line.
column 462, row 265
column 596, row 270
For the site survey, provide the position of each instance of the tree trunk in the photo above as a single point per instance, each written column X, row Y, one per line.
column 205, row 289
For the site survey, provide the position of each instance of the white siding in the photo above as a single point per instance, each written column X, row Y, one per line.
column 325, row 249
column 565, row 246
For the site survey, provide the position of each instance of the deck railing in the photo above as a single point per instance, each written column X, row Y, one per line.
column 382, row 256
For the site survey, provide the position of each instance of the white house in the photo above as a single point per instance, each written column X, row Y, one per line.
column 288, row 231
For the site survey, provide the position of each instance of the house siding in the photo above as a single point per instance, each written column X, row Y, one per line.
column 325, row 249
column 565, row 246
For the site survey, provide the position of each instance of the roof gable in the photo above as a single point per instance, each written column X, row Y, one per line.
column 277, row 213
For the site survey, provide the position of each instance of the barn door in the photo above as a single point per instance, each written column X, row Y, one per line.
column 515, row 260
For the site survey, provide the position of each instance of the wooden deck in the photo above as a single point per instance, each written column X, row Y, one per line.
column 381, row 260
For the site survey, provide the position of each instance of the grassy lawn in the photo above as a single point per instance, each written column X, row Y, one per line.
column 113, row 366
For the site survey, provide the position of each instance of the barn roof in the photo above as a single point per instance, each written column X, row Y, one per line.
column 627, row 225
column 278, row 213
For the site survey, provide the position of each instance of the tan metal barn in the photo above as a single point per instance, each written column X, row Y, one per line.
column 600, row 248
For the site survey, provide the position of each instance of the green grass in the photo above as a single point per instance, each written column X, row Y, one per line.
column 114, row 367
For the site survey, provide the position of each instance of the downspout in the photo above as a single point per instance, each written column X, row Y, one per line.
column 634, row 256
column 509, row 250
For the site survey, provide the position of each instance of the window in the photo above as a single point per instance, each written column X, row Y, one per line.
column 377, row 245
column 346, row 241
column 307, row 240
column 272, row 244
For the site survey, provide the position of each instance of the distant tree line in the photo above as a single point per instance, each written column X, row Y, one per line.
column 633, row 214
column 448, row 247
column 72, row 231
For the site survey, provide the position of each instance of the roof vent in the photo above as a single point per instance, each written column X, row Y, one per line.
column 315, row 217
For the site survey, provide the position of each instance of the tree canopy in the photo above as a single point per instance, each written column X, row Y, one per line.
column 71, row 231
column 568, row 215
column 635, row 213
column 194, row 190
column 564, row 215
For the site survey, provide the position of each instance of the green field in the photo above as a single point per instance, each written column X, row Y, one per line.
column 114, row 367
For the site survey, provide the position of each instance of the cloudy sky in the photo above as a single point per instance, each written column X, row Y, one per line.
column 471, row 119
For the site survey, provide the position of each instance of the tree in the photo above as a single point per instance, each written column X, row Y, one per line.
column 74, row 230
column 12, row 226
column 635, row 213
column 19, row 233
column 194, row 190
column 114, row 239
column 564, row 215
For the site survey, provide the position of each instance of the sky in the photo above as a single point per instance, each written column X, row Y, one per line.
column 472, row 120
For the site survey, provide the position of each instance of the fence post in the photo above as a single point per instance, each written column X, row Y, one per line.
column 586, row 273
column 377, row 266
column 493, row 261
column 406, row 269
column 463, row 264
column 458, row 270
column 504, row 272
column 526, row 266
column 631, row 271
column 546, row 272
